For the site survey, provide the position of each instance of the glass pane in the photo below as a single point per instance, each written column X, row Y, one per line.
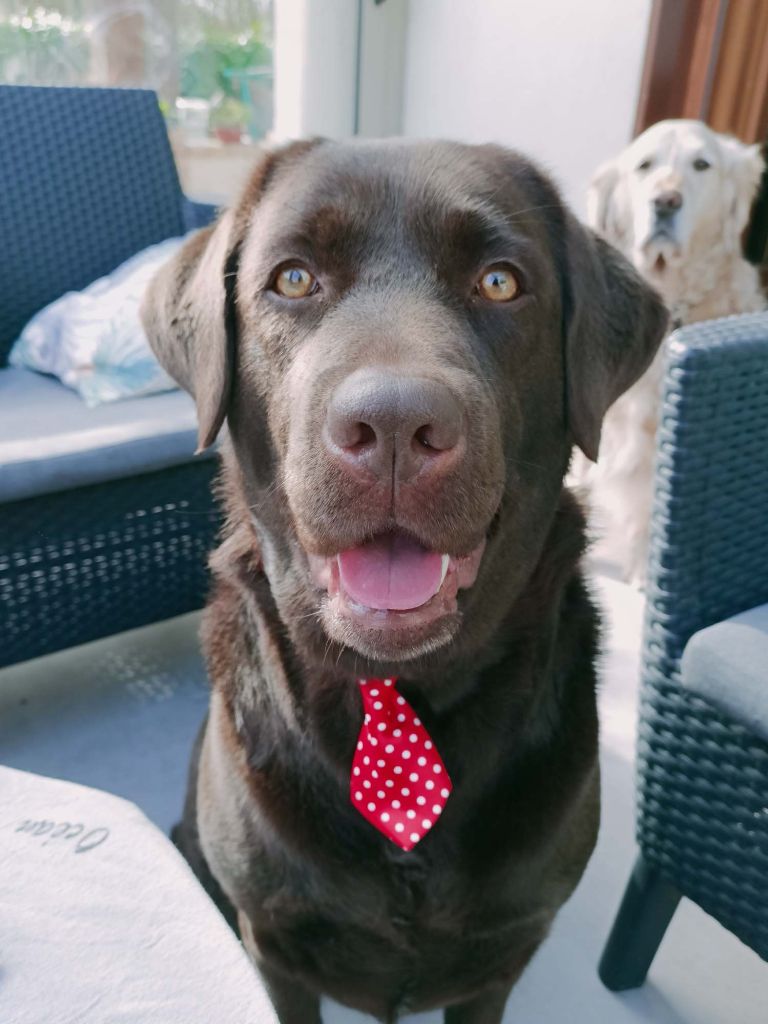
column 210, row 61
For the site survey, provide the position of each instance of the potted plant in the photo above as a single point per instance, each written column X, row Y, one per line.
column 229, row 119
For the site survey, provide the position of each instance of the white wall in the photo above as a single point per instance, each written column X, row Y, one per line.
column 323, row 86
column 315, row 67
column 556, row 79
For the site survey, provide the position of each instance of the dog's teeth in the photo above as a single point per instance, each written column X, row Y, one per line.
column 446, row 563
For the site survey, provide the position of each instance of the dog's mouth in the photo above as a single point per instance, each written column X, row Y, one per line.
column 661, row 248
column 393, row 584
column 659, row 255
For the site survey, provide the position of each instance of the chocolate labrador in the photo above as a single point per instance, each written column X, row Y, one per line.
column 405, row 339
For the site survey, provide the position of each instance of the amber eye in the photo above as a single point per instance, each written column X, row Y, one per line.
column 499, row 284
column 295, row 282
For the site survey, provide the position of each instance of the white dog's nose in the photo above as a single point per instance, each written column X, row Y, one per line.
column 668, row 202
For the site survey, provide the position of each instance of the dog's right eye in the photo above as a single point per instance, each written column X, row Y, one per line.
column 644, row 166
column 499, row 283
column 294, row 282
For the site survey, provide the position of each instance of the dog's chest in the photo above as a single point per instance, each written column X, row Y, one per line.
column 326, row 891
column 333, row 901
column 406, row 934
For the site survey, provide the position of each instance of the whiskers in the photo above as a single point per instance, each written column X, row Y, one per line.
column 328, row 645
column 270, row 492
column 315, row 614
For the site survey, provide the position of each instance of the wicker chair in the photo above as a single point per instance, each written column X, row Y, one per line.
column 105, row 518
column 702, row 768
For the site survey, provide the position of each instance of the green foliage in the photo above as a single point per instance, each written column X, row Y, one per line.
column 38, row 45
column 49, row 44
column 205, row 66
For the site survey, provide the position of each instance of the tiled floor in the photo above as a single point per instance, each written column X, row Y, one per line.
column 121, row 716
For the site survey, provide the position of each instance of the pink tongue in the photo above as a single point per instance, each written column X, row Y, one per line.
column 391, row 572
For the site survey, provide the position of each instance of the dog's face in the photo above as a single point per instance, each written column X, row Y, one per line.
column 679, row 187
column 405, row 339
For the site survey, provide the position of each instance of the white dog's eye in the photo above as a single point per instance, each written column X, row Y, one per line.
column 700, row 164
column 644, row 166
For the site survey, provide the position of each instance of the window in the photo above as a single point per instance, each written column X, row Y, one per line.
column 228, row 73
column 210, row 61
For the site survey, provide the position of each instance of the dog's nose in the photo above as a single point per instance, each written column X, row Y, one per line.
column 393, row 425
column 667, row 203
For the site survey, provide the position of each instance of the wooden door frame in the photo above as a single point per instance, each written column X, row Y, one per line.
column 707, row 59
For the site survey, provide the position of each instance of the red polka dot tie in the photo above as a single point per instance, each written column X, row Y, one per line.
column 399, row 782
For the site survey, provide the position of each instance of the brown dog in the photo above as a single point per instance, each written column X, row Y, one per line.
column 405, row 340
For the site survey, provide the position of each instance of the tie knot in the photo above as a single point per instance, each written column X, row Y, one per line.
column 380, row 698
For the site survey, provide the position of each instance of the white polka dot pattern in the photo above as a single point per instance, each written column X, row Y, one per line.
column 388, row 717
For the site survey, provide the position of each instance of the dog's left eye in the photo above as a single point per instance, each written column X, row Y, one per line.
column 499, row 283
column 295, row 282
column 700, row 164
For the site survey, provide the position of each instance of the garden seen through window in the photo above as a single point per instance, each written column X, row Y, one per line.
column 210, row 62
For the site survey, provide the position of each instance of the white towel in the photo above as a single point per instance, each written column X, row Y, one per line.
column 102, row 922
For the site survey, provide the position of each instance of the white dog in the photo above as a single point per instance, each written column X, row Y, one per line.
column 675, row 202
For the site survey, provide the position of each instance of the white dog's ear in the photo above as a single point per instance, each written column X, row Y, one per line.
column 601, row 202
column 743, row 170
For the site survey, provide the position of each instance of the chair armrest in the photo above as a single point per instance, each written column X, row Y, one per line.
column 709, row 530
column 197, row 215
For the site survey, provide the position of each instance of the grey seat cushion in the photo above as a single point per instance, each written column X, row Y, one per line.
column 51, row 441
column 727, row 664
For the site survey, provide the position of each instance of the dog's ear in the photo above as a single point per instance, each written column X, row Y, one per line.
column 743, row 170
column 602, row 201
column 613, row 325
column 188, row 315
column 190, row 308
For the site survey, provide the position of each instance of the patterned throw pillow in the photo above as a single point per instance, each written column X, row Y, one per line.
column 93, row 340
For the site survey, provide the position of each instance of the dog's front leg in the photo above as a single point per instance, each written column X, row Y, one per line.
column 293, row 1003
column 486, row 1008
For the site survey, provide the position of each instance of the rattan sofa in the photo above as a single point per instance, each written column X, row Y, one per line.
column 105, row 516
column 702, row 824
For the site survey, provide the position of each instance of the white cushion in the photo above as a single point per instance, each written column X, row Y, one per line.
column 93, row 340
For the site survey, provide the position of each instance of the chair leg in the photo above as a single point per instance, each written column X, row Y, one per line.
column 646, row 909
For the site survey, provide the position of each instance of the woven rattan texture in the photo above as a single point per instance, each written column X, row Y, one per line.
column 88, row 179
column 92, row 561
column 703, row 780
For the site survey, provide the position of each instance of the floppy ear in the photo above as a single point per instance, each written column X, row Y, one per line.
column 744, row 166
column 190, row 308
column 189, row 317
column 601, row 202
column 613, row 323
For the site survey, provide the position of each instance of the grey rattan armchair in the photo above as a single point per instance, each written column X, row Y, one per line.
column 702, row 772
column 106, row 518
